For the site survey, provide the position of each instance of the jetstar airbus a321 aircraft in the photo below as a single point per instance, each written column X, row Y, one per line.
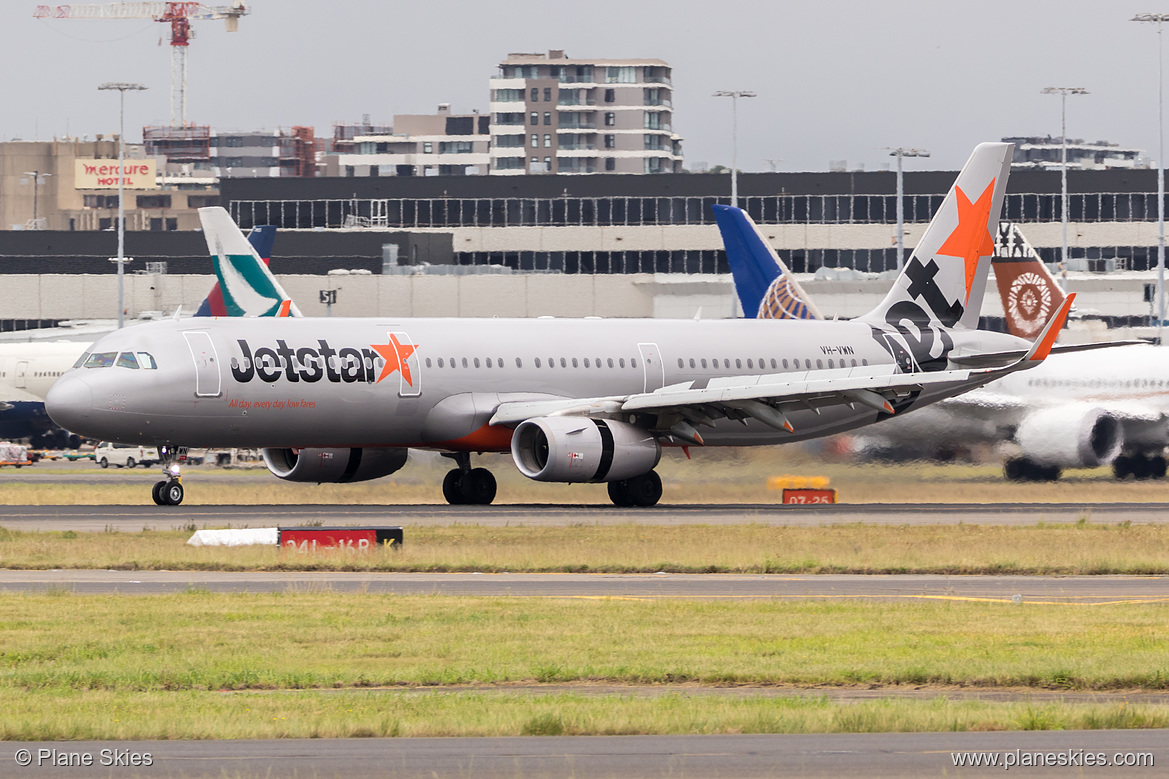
column 573, row 400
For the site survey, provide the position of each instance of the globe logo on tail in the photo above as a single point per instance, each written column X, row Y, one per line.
column 781, row 302
column 1029, row 304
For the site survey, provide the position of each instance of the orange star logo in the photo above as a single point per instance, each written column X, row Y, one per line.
column 396, row 355
column 971, row 239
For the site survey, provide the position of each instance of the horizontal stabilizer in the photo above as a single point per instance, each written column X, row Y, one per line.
column 994, row 359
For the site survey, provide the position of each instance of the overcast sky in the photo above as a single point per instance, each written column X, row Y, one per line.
column 836, row 79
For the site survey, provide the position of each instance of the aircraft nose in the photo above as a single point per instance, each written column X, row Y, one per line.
column 69, row 403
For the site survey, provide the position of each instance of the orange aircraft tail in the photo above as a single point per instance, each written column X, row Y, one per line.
column 1029, row 293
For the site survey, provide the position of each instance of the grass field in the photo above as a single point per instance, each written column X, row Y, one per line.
column 711, row 476
column 201, row 665
column 108, row 716
column 1080, row 548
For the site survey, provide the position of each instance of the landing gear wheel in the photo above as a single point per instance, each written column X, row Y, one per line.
column 172, row 493
column 1157, row 467
column 644, row 490
column 478, row 487
column 1122, row 467
column 156, row 493
column 1022, row 469
column 619, row 493
column 452, row 487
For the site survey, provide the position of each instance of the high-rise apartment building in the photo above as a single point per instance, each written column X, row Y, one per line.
column 553, row 114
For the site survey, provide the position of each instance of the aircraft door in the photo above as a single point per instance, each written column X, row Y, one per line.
column 409, row 367
column 21, row 375
column 207, row 378
column 655, row 369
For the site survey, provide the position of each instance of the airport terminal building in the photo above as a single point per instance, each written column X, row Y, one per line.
column 656, row 224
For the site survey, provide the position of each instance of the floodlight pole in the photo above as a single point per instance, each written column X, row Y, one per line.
column 899, row 153
column 734, row 96
column 1159, row 19
column 122, row 88
column 37, row 178
column 1063, row 93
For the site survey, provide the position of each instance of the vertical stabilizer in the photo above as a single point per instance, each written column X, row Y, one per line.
column 943, row 282
column 248, row 288
column 1029, row 293
column 766, row 288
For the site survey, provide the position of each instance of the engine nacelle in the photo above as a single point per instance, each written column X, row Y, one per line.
column 1070, row 436
column 575, row 449
column 333, row 465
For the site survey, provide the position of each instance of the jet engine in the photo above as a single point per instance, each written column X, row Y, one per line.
column 576, row 449
column 333, row 465
column 1076, row 436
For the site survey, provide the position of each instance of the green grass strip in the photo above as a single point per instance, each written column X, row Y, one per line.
column 63, row 643
column 107, row 716
column 1078, row 548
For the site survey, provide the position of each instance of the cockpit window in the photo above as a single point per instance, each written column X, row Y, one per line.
column 81, row 360
column 146, row 360
column 126, row 360
column 101, row 359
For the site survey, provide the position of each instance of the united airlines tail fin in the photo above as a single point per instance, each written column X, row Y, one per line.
column 247, row 287
column 766, row 288
column 1029, row 293
column 944, row 281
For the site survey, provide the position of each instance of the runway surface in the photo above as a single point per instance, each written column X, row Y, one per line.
column 849, row 755
column 135, row 518
column 1077, row 590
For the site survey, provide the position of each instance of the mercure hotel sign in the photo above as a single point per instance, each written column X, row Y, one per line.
column 104, row 174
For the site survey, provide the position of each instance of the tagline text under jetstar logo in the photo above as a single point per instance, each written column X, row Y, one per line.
column 322, row 362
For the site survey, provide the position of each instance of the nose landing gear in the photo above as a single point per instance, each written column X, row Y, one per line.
column 169, row 491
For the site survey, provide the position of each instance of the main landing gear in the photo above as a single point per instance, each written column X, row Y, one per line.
column 644, row 490
column 467, row 486
column 1139, row 466
column 169, row 491
column 1022, row 469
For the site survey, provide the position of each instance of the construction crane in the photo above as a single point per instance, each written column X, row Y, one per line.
column 179, row 15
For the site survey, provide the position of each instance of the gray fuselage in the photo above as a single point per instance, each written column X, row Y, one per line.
column 435, row 383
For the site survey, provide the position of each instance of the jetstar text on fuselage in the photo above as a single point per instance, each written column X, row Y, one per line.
column 305, row 363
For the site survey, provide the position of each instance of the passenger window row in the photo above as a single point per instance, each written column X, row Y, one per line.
column 551, row 362
column 763, row 363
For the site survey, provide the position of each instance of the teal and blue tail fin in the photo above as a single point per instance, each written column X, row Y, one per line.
column 246, row 286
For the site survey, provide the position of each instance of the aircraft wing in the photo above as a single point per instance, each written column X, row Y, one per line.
column 766, row 398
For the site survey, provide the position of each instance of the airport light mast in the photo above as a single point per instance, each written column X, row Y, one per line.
column 37, row 178
column 734, row 96
column 1159, row 20
column 122, row 88
column 1063, row 93
column 899, row 153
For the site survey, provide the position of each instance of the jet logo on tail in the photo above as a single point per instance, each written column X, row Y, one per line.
column 971, row 239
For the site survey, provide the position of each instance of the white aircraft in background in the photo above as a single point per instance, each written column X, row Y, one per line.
column 243, row 287
column 592, row 400
column 1080, row 409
